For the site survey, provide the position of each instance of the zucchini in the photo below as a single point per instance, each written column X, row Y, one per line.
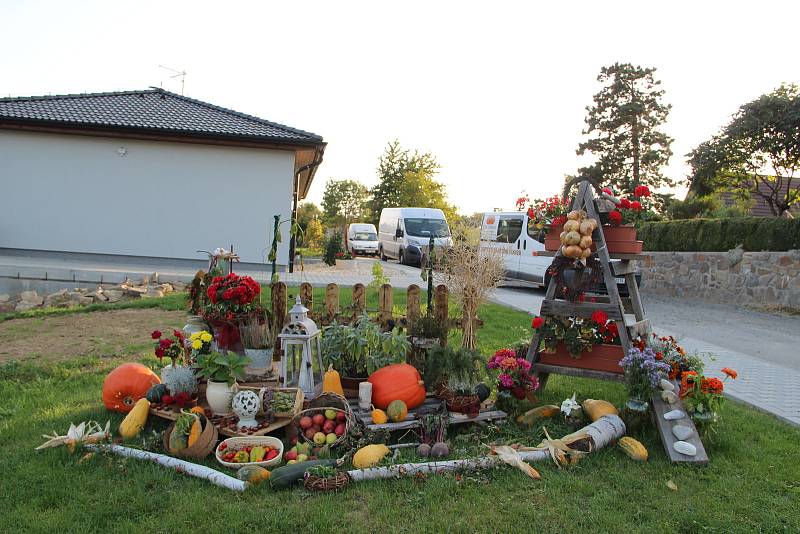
column 286, row 476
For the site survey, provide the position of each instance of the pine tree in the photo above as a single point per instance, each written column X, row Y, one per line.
column 623, row 129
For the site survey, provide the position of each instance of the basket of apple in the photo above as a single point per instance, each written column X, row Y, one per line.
column 322, row 426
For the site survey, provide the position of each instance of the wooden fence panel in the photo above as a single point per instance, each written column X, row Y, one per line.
column 359, row 299
column 441, row 310
column 412, row 305
column 307, row 295
column 385, row 303
column 331, row 301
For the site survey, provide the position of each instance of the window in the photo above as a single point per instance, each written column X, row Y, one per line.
column 427, row 227
column 536, row 233
column 364, row 236
column 508, row 229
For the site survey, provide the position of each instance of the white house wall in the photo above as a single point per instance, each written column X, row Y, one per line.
column 159, row 199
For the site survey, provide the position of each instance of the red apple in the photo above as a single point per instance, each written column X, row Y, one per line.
column 291, row 455
column 317, row 428
column 340, row 417
column 328, row 427
column 340, row 429
column 310, row 432
column 305, row 422
column 318, row 419
column 293, row 441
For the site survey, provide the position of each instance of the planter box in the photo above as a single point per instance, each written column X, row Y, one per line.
column 601, row 358
column 619, row 239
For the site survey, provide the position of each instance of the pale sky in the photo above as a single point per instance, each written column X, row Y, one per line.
column 496, row 90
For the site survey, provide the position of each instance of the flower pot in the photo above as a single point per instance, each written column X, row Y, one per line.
column 350, row 385
column 259, row 358
column 635, row 414
column 600, row 358
column 468, row 405
column 519, row 392
column 218, row 397
column 194, row 324
column 552, row 241
column 619, row 239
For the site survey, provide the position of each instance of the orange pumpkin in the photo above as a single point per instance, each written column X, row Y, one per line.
column 400, row 381
column 127, row 384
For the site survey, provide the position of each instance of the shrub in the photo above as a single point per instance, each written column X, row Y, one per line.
column 333, row 247
column 720, row 235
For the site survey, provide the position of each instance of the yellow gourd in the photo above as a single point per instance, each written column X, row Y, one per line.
column 595, row 409
column 633, row 449
column 531, row 416
column 194, row 433
column 369, row 456
column 332, row 382
column 379, row 417
column 135, row 420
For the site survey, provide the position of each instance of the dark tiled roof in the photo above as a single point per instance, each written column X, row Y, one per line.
column 759, row 207
column 154, row 110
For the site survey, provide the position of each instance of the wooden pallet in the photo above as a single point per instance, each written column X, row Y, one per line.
column 276, row 424
column 431, row 405
column 668, row 438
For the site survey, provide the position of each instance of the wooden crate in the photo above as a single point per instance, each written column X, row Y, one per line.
column 298, row 402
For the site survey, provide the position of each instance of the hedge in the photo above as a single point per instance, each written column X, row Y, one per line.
column 720, row 235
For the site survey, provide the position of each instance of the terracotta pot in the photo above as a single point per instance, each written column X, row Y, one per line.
column 625, row 232
column 350, row 386
column 519, row 392
column 552, row 242
column 619, row 239
column 601, row 358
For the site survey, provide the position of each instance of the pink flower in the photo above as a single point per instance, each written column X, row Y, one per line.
column 156, row 334
column 505, row 380
column 524, row 364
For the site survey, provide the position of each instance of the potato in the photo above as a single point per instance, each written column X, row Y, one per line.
column 572, row 238
column 586, row 242
column 572, row 226
column 572, row 251
column 586, row 253
column 586, row 227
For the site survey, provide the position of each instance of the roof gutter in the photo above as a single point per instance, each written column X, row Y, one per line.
column 311, row 168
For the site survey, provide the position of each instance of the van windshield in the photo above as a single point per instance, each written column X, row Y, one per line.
column 365, row 236
column 427, row 227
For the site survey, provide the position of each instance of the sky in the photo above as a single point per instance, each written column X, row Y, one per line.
column 495, row 90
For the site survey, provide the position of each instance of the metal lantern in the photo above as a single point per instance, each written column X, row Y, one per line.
column 301, row 362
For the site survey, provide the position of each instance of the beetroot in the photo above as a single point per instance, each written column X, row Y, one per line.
column 424, row 450
column 439, row 450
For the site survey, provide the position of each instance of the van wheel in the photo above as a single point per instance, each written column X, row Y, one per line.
column 401, row 258
column 382, row 255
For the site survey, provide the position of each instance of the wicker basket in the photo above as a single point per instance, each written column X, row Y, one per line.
column 469, row 405
column 202, row 447
column 327, row 401
column 315, row 483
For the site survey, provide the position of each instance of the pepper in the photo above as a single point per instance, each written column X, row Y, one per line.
column 257, row 454
column 241, row 457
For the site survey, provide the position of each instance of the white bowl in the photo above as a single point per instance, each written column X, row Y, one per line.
column 239, row 442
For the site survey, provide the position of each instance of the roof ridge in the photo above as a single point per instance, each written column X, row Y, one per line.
column 240, row 114
column 80, row 95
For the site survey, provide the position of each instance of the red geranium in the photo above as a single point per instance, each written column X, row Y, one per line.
column 155, row 334
column 537, row 322
column 636, row 205
column 600, row 317
column 641, row 191
column 615, row 217
column 624, row 203
column 559, row 220
column 608, row 191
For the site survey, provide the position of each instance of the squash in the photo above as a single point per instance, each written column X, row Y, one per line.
column 155, row 393
column 369, row 456
column 397, row 411
column 177, row 440
column 135, row 420
column 127, row 384
column 634, row 449
column 332, row 382
column 482, row 391
column 399, row 381
column 540, row 412
column 196, row 430
column 253, row 474
column 286, row 476
column 199, row 410
column 595, row 409
column 379, row 417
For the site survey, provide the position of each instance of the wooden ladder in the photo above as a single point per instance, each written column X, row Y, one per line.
column 628, row 314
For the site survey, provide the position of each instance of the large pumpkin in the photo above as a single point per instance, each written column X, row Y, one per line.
column 400, row 381
column 127, row 384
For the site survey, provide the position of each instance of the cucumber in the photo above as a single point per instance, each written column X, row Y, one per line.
column 288, row 475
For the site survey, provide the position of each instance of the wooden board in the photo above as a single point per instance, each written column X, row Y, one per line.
column 668, row 438
column 431, row 404
column 170, row 415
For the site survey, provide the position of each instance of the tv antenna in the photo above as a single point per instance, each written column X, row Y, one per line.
column 178, row 73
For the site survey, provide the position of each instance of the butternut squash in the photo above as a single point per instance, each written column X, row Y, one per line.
column 194, row 433
column 332, row 382
column 634, row 449
column 595, row 409
column 135, row 420
column 531, row 416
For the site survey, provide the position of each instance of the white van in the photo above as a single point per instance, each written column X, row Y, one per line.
column 519, row 241
column 404, row 233
column 362, row 238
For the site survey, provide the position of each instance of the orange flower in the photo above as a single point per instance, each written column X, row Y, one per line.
column 711, row 385
column 730, row 372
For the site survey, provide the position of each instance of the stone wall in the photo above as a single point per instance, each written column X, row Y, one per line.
column 734, row 277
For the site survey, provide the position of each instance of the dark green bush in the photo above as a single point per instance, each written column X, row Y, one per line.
column 718, row 235
column 333, row 246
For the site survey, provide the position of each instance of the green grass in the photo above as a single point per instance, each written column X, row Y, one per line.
column 751, row 485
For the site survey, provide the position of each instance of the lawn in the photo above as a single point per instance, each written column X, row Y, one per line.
column 752, row 483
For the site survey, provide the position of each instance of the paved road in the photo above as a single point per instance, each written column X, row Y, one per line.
column 762, row 347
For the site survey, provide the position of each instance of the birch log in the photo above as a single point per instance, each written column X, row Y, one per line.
column 182, row 466
column 602, row 432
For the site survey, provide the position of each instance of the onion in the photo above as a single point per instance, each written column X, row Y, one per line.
column 572, row 251
column 572, row 226
column 586, row 227
column 574, row 215
column 586, row 242
column 572, row 238
column 586, row 252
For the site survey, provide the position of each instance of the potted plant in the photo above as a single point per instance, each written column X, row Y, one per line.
column 228, row 298
column 513, row 374
column 703, row 397
column 356, row 351
column 643, row 373
column 586, row 343
column 426, row 331
column 256, row 332
column 442, row 363
column 222, row 371
column 461, row 396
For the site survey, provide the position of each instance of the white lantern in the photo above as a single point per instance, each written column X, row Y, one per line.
column 301, row 361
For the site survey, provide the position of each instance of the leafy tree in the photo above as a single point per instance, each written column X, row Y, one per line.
column 623, row 129
column 757, row 154
column 344, row 201
column 406, row 178
column 313, row 234
column 306, row 212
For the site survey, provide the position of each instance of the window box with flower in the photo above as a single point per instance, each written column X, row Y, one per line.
column 583, row 343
